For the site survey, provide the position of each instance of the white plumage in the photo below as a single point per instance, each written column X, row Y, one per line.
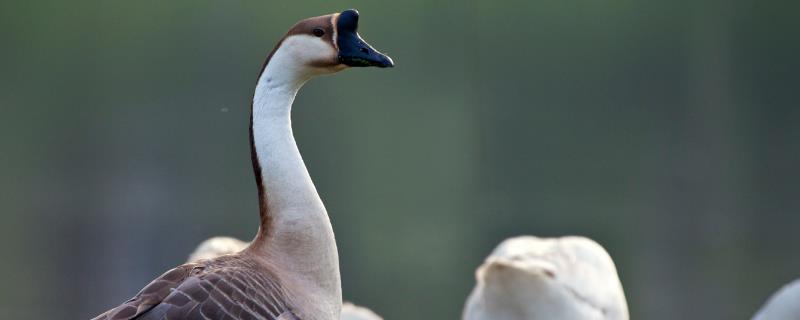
column 215, row 247
column 354, row 312
column 783, row 305
column 547, row 278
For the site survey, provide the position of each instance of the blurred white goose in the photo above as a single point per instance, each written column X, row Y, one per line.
column 215, row 247
column 219, row 246
column 354, row 312
column 782, row 305
column 547, row 278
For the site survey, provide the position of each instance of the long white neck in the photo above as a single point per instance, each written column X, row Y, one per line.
column 296, row 233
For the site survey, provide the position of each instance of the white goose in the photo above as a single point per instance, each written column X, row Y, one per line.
column 547, row 278
column 219, row 246
column 354, row 312
column 291, row 269
column 783, row 305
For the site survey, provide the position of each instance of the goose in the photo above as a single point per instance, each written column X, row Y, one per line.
column 354, row 312
column 290, row 271
column 215, row 247
column 563, row 278
column 218, row 246
column 782, row 305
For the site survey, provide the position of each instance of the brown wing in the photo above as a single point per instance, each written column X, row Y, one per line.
column 225, row 289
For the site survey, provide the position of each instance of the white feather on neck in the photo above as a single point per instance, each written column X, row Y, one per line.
column 300, row 239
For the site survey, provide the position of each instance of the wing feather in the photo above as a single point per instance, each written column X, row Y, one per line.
column 229, row 287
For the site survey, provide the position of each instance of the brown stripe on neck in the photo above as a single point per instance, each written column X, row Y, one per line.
column 263, row 209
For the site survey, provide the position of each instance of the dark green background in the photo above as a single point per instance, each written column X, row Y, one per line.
column 669, row 131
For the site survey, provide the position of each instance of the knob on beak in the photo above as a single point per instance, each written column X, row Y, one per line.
column 354, row 51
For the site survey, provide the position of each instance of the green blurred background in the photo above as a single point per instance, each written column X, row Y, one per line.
column 669, row 131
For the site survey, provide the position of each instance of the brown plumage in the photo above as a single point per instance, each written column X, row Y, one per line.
column 222, row 288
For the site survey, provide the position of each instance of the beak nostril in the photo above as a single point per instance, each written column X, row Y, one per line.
column 364, row 50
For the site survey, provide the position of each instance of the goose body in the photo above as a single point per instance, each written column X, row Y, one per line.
column 219, row 246
column 547, row 278
column 783, row 305
column 291, row 269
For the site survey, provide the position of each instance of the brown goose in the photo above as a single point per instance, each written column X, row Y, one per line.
column 291, row 268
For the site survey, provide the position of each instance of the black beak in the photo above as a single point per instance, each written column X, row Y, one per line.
column 354, row 51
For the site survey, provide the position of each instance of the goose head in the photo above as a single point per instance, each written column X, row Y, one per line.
column 547, row 278
column 326, row 44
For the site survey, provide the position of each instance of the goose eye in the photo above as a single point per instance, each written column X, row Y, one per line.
column 318, row 32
